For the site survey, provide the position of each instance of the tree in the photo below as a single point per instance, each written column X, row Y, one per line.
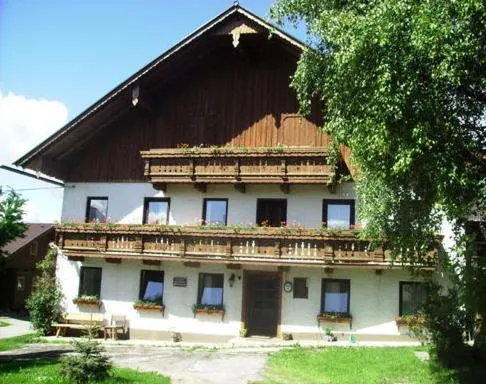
column 404, row 88
column 11, row 225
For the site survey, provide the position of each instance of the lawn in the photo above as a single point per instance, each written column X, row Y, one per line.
column 4, row 324
column 46, row 372
column 18, row 341
column 361, row 365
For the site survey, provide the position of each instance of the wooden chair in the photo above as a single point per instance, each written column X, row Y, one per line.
column 117, row 323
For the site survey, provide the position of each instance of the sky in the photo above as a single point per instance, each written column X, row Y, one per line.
column 58, row 57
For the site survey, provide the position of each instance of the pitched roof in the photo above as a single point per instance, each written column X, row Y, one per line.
column 32, row 159
column 34, row 230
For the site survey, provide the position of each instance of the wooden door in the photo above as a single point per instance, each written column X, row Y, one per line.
column 263, row 300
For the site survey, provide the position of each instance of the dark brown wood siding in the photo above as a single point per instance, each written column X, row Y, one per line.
column 238, row 97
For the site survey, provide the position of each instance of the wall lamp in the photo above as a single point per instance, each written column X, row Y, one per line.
column 232, row 279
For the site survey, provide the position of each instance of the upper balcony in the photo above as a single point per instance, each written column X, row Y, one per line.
column 231, row 245
column 238, row 166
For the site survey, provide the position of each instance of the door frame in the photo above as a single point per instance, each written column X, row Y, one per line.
column 244, row 302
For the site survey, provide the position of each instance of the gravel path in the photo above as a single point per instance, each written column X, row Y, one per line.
column 184, row 366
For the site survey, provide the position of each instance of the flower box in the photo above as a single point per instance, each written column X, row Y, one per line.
column 88, row 302
column 409, row 320
column 335, row 318
column 149, row 308
column 214, row 310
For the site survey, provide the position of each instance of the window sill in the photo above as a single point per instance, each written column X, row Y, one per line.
column 334, row 319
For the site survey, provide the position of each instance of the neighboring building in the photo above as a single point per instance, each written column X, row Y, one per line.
column 187, row 157
column 22, row 255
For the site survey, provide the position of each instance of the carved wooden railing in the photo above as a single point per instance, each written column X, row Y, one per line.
column 273, row 245
column 238, row 165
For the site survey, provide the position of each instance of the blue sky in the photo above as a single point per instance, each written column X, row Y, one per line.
column 58, row 57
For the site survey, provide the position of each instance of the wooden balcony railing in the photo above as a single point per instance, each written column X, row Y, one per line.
column 279, row 165
column 226, row 245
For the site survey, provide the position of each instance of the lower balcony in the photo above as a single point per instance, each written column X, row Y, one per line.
column 239, row 245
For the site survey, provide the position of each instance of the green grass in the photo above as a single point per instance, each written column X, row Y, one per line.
column 4, row 324
column 361, row 365
column 18, row 341
column 46, row 372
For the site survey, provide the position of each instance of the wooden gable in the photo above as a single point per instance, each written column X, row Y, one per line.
column 229, row 86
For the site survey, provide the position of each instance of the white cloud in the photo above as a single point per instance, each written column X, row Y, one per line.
column 25, row 122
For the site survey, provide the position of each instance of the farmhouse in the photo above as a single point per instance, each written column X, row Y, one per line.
column 199, row 201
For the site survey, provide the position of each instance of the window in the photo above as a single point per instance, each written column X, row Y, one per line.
column 97, row 209
column 156, row 211
column 412, row 297
column 34, row 248
column 90, row 282
column 20, row 283
column 271, row 212
column 335, row 295
column 300, row 288
column 215, row 211
column 152, row 286
column 338, row 213
column 210, row 290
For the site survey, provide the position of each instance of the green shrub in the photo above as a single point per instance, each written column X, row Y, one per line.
column 44, row 304
column 87, row 365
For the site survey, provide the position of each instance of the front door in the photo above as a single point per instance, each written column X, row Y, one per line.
column 262, row 303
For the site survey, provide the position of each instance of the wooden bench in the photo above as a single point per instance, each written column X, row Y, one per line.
column 78, row 321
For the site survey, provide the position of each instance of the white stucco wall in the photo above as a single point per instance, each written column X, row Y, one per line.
column 125, row 201
column 374, row 298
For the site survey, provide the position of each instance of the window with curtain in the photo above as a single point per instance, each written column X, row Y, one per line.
column 156, row 211
column 215, row 211
column 210, row 290
column 335, row 295
column 338, row 213
column 412, row 297
column 97, row 209
column 152, row 286
column 90, row 282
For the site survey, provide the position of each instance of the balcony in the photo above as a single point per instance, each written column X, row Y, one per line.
column 237, row 166
column 230, row 245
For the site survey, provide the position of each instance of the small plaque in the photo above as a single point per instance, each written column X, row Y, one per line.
column 179, row 282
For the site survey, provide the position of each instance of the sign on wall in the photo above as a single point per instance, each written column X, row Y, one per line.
column 179, row 282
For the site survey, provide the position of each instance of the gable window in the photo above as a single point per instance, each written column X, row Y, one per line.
column 300, row 288
column 156, row 211
column 338, row 213
column 34, row 248
column 215, row 211
column 271, row 212
column 97, row 209
column 210, row 289
column 412, row 297
column 335, row 295
column 152, row 286
column 90, row 282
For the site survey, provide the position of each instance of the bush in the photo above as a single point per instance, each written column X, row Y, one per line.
column 87, row 365
column 44, row 304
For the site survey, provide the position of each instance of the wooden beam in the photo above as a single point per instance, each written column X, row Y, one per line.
column 201, row 187
column 160, row 186
column 233, row 266
column 240, row 187
column 113, row 260
column 192, row 264
column 151, row 262
column 285, row 188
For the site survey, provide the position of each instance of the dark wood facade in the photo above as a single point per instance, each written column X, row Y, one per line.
column 238, row 97
column 17, row 280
